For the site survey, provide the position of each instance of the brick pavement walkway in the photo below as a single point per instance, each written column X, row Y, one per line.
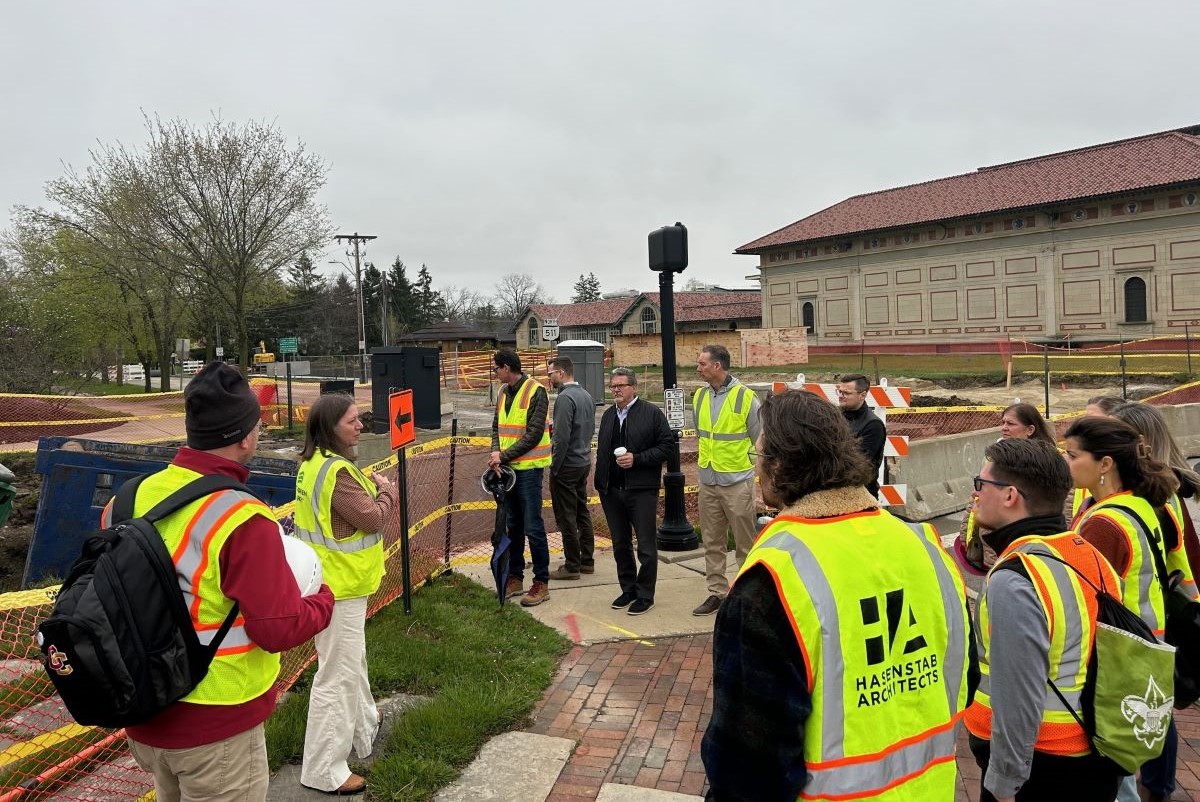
column 638, row 710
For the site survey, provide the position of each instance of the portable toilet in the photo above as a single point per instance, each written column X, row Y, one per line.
column 588, row 358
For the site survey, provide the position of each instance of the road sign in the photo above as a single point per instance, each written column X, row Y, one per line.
column 289, row 345
column 550, row 329
column 220, row 352
column 673, row 406
column 402, row 424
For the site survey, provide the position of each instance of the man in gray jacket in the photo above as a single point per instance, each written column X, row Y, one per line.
column 571, row 446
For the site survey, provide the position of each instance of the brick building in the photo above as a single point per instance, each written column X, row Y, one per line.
column 1098, row 243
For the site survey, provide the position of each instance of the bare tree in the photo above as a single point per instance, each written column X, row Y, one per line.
column 459, row 301
column 225, row 205
column 515, row 291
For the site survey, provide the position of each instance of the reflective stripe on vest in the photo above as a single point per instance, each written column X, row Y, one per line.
column 194, row 536
column 1070, row 615
column 724, row 444
column 353, row 566
column 511, row 425
column 1142, row 592
column 318, row 538
column 846, row 754
column 1176, row 558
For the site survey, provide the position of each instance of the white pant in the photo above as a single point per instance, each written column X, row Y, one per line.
column 341, row 710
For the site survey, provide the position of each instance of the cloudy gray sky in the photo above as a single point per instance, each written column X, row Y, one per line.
column 484, row 138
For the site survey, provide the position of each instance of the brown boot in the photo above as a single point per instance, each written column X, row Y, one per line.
column 513, row 587
column 538, row 593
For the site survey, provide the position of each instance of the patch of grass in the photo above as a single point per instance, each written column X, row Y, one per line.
column 484, row 669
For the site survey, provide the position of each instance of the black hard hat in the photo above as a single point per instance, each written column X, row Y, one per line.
column 496, row 483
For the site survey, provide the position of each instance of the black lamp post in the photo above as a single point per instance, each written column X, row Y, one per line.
column 668, row 256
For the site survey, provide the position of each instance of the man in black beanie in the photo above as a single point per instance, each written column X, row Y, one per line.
column 227, row 548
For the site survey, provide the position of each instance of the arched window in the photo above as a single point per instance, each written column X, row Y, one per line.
column 809, row 316
column 1135, row 300
column 535, row 334
column 649, row 321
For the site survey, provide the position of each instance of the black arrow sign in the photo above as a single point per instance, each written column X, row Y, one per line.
column 403, row 418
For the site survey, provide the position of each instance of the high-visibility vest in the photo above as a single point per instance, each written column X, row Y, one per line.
column 1176, row 558
column 724, row 443
column 1077, row 498
column 1070, row 609
column 512, row 422
column 352, row 566
column 885, row 651
column 1143, row 592
column 194, row 536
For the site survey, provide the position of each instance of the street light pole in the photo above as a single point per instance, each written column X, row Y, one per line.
column 357, row 238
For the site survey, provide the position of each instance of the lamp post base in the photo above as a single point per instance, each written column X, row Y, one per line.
column 675, row 534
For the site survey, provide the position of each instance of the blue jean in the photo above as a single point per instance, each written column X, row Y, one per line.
column 524, row 505
column 1158, row 775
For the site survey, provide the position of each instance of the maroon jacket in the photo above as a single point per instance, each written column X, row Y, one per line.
column 255, row 574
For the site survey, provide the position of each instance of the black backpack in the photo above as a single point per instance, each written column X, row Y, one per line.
column 119, row 644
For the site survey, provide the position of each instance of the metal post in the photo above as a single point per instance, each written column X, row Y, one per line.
column 450, row 491
column 1046, row 375
column 1124, row 384
column 357, row 238
column 676, row 533
column 289, row 388
column 1187, row 340
column 405, row 568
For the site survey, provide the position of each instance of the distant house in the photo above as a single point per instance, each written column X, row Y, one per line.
column 452, row 337
column 720, row 310
column 1096, row 243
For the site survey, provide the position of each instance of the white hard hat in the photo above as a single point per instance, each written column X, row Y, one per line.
column 305, row 565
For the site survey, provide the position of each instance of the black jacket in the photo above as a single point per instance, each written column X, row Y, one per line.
column 871, row 435
column 648, row 438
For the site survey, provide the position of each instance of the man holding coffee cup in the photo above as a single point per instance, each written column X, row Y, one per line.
column 633, row 444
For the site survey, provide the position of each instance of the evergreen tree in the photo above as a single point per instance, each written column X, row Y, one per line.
column 372, row 288
column 432, row 306
column 587, row 289
column 404, row 303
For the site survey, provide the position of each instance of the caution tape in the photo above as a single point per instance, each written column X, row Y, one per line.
column 925, row 410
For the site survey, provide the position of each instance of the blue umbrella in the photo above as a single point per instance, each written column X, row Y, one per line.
column 498, row 484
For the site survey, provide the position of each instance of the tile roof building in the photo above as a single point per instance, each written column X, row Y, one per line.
column 640, row 314
column 1099, row 243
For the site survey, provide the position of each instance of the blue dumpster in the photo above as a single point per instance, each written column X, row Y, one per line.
column 80, row 476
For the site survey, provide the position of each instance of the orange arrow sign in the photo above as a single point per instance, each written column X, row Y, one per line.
column 403, row 426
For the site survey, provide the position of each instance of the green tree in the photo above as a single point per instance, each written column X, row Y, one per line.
column 587, row 289
column 432, row 306
column 403, row 301
column 224, row 205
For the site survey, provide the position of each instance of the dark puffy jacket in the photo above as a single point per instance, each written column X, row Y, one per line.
column 646, row 435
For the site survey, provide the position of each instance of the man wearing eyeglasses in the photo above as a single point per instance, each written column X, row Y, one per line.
column 867, row 429
column 570, row 464
column 634, row 442
column 520, row 440
column 727, row 423
column 1034, row 618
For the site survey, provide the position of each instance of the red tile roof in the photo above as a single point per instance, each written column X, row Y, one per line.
column 1154, row 160
column 594, row 313
column 697, row 306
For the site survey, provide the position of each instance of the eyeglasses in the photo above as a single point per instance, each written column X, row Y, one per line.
column 496, row 368
column 848, row 393
column 618, row 386
column 753, row 454
column 979, row 482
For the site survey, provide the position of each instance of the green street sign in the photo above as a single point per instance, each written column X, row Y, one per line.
column 289, row 345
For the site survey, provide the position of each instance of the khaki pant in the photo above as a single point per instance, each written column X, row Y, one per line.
column 723, row 508
column 232, row 770
column 341, row 711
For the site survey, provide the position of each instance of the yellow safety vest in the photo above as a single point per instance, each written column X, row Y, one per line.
column 352, row 566
column 1143, row 592
column 1070, row 609
column 1077, row 498
column 1176, row 558
column 885, row 651
column 725, row 444
column 512, row 424
column 194, row 536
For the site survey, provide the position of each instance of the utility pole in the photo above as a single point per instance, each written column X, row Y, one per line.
column 383, row 328
column 357, row 238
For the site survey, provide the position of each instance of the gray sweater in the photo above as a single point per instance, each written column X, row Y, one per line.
column 574, row 426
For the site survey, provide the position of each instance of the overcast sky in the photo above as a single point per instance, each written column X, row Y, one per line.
column 550, row 138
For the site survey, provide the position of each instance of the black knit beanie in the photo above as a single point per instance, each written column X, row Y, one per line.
column 220, row 407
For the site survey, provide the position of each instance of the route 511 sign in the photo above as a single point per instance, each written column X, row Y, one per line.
column 550, row 329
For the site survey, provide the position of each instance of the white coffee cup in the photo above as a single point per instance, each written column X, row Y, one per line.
column 620, row 451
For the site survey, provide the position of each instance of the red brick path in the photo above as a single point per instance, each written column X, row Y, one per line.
column 638, row 711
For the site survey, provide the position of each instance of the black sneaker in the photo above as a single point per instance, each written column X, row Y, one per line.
column 623, row 601
column 708, row 606
column 640, row 606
